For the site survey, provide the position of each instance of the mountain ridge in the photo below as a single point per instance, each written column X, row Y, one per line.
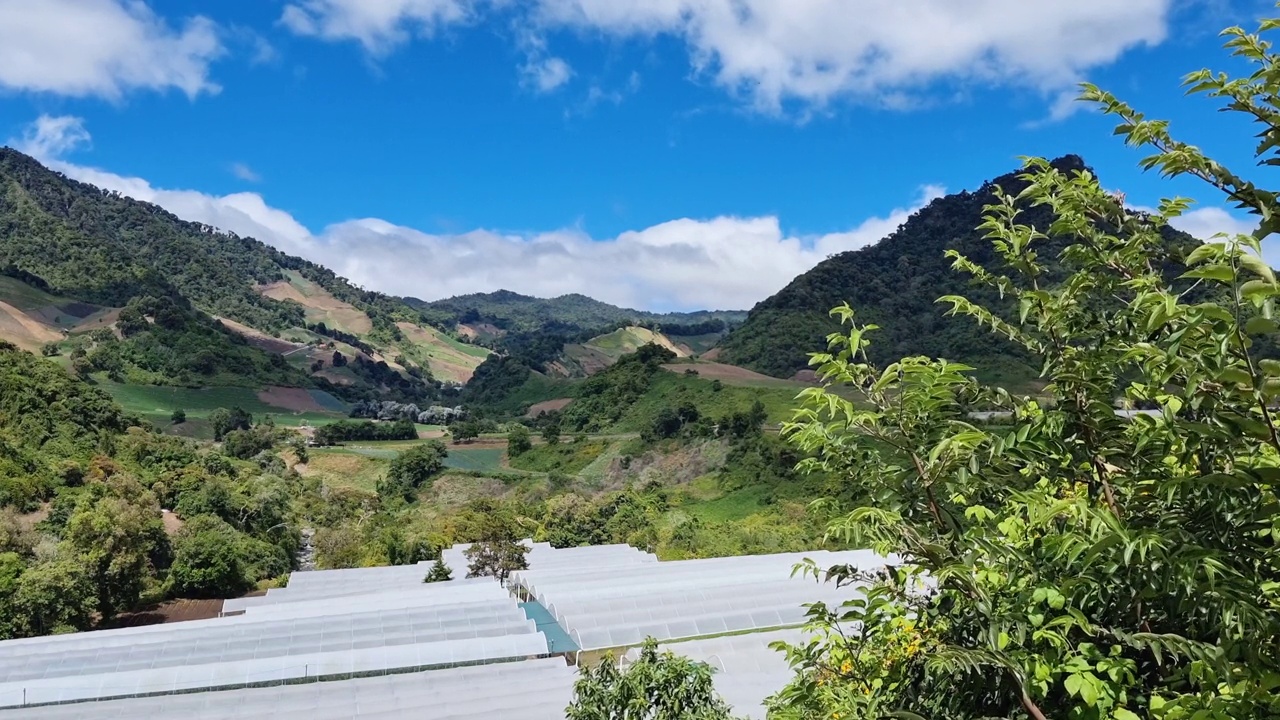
column 894, row 284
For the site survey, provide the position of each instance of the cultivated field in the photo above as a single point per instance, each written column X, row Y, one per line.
column 320, row 305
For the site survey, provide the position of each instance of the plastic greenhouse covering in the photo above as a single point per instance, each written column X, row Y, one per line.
column 620, row 606
column 384, row 644
column 532, row 689
column 747, row 670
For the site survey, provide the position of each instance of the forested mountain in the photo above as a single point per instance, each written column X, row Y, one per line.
column 92, row 252
column 102, row 247
column 894, row 284
column 513, row 312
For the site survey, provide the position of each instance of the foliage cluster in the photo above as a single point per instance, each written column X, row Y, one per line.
column 1078, row 564
column 348, row 430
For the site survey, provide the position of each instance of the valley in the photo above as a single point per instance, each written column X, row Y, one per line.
column 1009, row 453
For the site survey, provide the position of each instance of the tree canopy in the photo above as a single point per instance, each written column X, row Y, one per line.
column 1073, row 563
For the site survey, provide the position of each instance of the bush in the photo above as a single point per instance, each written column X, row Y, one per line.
column 439, row 572
column 209, row 562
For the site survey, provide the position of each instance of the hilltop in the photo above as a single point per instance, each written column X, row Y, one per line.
column 491, row 315
column 894, row 284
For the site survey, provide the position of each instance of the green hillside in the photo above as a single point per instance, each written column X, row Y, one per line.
column 511, row 311
column 894, row 284
column 68, row 250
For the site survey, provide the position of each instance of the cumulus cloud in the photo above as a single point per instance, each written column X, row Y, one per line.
column 102, row 48
column 378, row 25
column 810, row 51
column 817, row 50
column 722, row 262
column 1205, row 223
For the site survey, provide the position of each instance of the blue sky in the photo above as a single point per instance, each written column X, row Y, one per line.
column 665, row 154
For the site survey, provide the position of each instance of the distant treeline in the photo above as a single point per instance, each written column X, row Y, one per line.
column 346, row 430
column 336, row 334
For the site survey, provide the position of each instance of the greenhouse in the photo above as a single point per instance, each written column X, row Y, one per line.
column 381, row 643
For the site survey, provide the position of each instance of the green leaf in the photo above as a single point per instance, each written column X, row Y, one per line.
column 1125, row 714
column 1260, row 326
column 1256, row 291
column 1219, row 273
column 1073, row 684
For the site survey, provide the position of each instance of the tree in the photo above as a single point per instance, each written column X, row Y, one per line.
column 414, row 468
column 439, row 572
column 496, row 549
column 465, row 431
column 244, row 444
column 224, row 421
column 658, row 686
column 207, row 561
column 339, row 360
column 497, row 558
column 52, row 597
column 178, row 417
column 119, row 537
column 551, row 433
column 1082, row 564
column 518, row 442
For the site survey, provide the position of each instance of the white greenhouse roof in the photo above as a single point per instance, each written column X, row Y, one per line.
column 457, row 650
column 622, row 605
column 747, row 670
column 532, row 689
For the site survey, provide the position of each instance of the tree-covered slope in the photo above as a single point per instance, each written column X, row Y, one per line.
column 103, row 247
column 894, row 284
column 574, row 313
column 78, row 242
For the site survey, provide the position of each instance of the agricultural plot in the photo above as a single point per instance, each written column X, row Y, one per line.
column 285, row 405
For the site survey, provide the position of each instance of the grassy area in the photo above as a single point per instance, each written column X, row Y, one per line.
column 479, row 459
column 709, row 503
column 569, row 458
column 340, row 467
column 672, row 389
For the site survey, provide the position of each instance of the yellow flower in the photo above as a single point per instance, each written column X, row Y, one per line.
column 846, row 668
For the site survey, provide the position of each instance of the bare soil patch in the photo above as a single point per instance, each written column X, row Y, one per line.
column 172, row 523
column 259, row 339
column 547, row 406
column 100, row 319
column 325, row 307
column 294, row 399
column 481, row 330
column 167, row 612
column 25, row 332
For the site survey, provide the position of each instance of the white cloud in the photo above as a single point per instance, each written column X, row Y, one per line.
column 816, row 50
column 1204, row 223
column 244, row 172
column 546, row 74
column 812, row 51
column 52, row 137
column 378, row 25
column 103, row 48
column 723, row 262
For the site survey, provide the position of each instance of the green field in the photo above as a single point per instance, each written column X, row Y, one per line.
column 480, row 459
column 157, row 403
